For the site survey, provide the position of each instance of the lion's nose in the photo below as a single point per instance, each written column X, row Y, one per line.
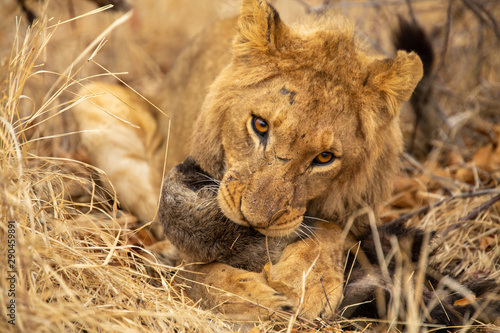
column 262, row 208
column 257, row 217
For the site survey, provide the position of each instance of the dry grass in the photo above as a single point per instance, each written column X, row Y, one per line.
column 84, row 266
column 76, row 269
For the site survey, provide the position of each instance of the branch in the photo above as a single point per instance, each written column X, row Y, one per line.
column 425, row 209
column 472, row 215
column 477, row 8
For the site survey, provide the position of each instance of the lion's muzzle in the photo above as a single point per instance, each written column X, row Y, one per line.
column 266, row 203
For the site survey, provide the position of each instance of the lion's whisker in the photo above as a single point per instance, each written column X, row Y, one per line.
column 315, row 218
column 205, row 203
column 300, row 234
column 209, row 178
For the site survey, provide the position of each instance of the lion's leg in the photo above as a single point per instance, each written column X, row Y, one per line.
column 311, row 272
column 121, row 138
column 239, row 294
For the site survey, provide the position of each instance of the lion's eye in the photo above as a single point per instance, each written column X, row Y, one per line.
column 324, row 158
column 260, row 126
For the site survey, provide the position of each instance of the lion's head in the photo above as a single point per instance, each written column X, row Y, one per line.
column 302, row 120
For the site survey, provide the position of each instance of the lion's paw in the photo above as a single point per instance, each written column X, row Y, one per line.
column 310, row 272
column 239, row 294
column 256, row 298
column 317, row 295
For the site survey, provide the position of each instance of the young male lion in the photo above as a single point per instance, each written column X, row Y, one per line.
column 297, row 121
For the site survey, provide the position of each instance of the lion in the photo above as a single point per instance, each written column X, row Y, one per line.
column 298, row 125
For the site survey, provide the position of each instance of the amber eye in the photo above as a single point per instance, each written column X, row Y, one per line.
column 324, row 158
column 260, row 126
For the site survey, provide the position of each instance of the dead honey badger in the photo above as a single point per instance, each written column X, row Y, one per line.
column 195, row 224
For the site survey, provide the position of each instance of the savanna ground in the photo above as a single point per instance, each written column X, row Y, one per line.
column 84, row 265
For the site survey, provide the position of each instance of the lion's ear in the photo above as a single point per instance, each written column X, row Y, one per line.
column 395, row 79
column 260, row 29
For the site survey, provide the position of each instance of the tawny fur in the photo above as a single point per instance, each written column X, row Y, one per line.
column 319, row 92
